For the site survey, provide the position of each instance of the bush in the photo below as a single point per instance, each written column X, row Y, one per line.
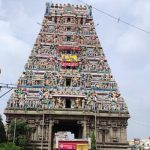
column 22, row 140
column 9, row 146
column 2, row 131
column 22, row 133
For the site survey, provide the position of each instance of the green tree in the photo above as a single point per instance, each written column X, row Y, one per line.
column 9, row 146
column 2, row 131
column 22, row 132
column 93, row 141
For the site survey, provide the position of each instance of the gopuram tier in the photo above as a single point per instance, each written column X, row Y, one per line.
column 67, row 84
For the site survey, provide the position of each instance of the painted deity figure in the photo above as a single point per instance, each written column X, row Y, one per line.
column 72, row 104
column 59, row 103
column 45, row 25
column 83, row 103
column 61, row 81
column 46, row 95
column 78, row 103
column 51, row 104
column 114, row 96
column 40, row 95
column 75, row 82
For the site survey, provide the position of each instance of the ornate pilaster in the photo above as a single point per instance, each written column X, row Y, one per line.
column 123, row 131
column 88, row 128
column 84, row 131
column 36, row 133
column 104, row 130
column 51, row 123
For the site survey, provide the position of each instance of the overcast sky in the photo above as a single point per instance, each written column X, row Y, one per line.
column 127, row 49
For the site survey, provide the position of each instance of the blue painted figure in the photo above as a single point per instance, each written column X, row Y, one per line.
column 90, row 10
column 47, row 9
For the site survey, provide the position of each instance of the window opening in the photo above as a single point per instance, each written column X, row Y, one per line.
column 68, row 82
column 81, row 21
column 68, row 52
column 68, row 28
column 68, row 38
column 103, row 136
column 68, row 67
column 68, row 103
column 68, row 19
column 55, row 20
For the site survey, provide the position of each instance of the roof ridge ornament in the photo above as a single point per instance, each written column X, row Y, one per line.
column 90, row 10
column 48, row 6
column 68, row 8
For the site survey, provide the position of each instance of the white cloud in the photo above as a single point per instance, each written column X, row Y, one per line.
column 12, row 49
column 13, row 55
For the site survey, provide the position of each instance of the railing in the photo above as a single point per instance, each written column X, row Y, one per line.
column 100, row 106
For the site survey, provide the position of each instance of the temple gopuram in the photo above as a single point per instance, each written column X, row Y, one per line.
column 67, row 85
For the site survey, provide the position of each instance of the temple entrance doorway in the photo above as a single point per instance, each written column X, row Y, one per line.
column 66, row 126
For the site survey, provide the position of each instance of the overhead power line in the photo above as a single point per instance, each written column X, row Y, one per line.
column 141, row 123
column 6, row 93
column 7, row 86
column 118, row 19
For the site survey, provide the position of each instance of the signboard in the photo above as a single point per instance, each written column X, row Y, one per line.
column 67, row 146
column 69, row 58
column 73, row 145
column 72, row 64
column 82, row 147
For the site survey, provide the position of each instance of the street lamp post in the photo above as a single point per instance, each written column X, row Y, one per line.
column 14, row 132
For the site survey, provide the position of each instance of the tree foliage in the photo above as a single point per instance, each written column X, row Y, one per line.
column 2, row 131
column 9, row 146
column 22, row 132
column 93, row 141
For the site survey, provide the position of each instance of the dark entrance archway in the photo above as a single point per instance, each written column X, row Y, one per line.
column 67, row 126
